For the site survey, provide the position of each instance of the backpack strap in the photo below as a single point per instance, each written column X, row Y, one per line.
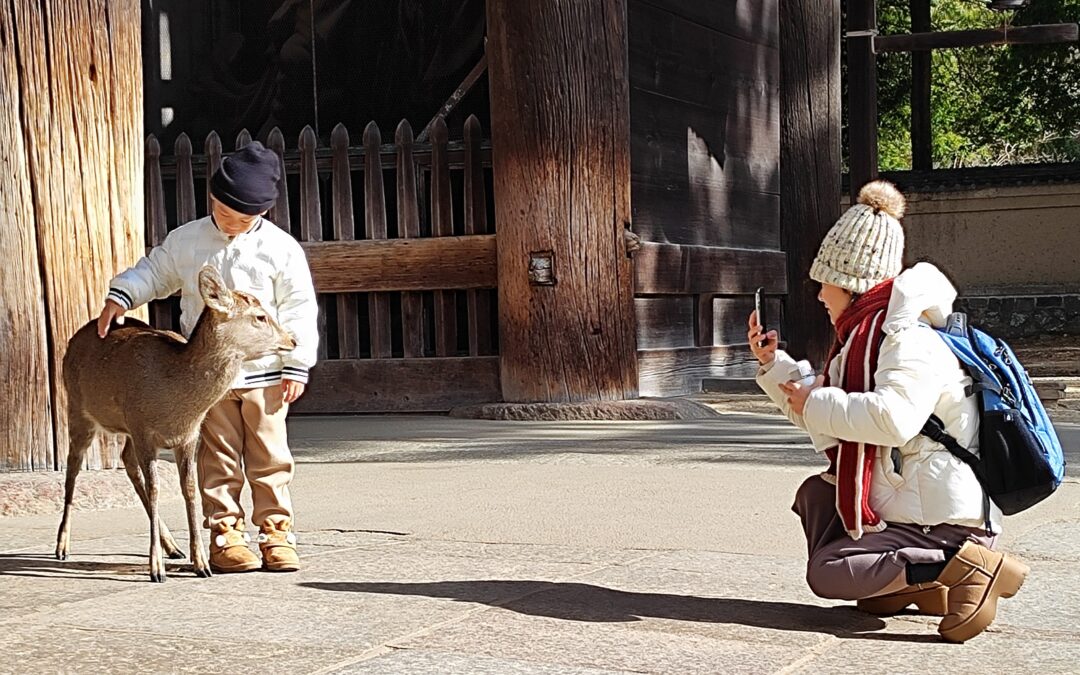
column 934, row 429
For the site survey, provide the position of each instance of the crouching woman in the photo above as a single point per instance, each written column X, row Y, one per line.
column 896, row 520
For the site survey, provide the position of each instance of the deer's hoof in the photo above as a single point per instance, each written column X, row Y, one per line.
column 61, row 555
column 203, row 572
column 158, row 577
column 176, row 555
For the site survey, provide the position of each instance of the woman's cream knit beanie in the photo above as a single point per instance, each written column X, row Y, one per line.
column 866, row 246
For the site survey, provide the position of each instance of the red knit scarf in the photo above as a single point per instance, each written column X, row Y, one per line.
column 851, row 463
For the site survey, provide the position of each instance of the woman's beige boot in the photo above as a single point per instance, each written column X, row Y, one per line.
column 931, row 599
column 976, row 578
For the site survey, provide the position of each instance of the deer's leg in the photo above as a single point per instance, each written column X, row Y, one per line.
column 134, row 473
column 147, row 462
column 80, row 434
column 185, row 462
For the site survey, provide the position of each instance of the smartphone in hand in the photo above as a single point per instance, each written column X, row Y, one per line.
column 759, row 308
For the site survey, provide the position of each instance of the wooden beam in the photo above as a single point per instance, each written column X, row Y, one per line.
column 956, row 39
column 560, row 127
column 862, row 94
column 671, row 269
column 672, row 372
column 400, row 385
column 921, row 133
column 403, row 264
column 810, row 165
column 466, row 85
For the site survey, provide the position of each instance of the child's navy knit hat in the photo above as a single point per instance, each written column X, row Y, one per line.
column 248, row 179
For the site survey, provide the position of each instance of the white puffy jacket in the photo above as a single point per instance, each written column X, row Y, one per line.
column 915, row 479
column 265, row 262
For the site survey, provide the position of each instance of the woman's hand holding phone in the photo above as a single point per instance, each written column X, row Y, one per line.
column 762, row 343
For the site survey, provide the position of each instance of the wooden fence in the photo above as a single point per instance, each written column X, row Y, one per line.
column 407, row 316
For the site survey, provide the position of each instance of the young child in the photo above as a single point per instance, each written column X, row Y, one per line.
column 896, row 519
column 244, row 434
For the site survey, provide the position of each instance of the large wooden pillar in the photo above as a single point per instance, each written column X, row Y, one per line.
column 560, row 116
column 809, row 160
column 72, row 83
column 26, row 441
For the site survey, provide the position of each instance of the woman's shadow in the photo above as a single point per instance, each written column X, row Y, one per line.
column 586, row 602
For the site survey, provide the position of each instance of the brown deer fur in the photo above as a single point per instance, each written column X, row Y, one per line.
column 156, row 389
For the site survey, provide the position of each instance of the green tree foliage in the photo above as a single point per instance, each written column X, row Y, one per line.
column 990, row 105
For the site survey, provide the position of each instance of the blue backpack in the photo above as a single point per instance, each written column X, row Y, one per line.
column 1020, row 461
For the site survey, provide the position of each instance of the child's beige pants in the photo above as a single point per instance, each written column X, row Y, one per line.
column 244, row 436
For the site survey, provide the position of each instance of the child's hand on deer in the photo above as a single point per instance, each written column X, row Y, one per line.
column 291, row 390
column 112, row 311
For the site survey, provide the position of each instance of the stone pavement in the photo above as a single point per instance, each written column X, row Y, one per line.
column 437, row 545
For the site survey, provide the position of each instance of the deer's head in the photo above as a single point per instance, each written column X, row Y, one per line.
column 242, row 321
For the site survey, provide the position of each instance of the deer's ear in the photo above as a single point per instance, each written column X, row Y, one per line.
column 215, row 293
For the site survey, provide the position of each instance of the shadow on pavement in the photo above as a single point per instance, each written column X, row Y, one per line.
column 46, row 566
column 586, row 602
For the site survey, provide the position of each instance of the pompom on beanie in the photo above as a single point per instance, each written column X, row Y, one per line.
column 248, row 179
column 866, row 245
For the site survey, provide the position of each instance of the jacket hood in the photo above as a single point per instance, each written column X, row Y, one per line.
column 919, row 293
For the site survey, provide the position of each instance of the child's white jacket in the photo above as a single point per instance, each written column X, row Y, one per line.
column 265, row 262
column 915, row 480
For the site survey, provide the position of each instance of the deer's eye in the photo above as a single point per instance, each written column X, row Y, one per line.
column 261, row 318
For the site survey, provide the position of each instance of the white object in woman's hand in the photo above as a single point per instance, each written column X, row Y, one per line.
column 797, row 393
column 763, row 345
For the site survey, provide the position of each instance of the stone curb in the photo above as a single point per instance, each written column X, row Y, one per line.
column 639, row 410
column 36, row 493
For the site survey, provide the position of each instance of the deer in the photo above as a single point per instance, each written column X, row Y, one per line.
column 155, row 389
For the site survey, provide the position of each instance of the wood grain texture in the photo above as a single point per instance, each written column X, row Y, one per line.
column 344, row 230
column 810, row 167
column 479, row 301
column 755, row 22
column 954, row 39
column 704, row 127
column 157, row 228
column 212, row 149
column 442, row 225
column 185, row 181
column 80, row 86
column 311, row 214
column 862, row 95
column 403, row 264
column 375, row 228
column 26, row 434
column 674, row 372
column 560, row 144
column 686, row 270
column 921, row 81
column 665, row 322
column 730, row 316
column 400, row 385
column 412, row 304
column 279, row 212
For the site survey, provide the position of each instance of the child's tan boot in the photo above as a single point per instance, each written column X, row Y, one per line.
column 229, row 550
column 931, row 600
column 976, row 578
column 278, row 545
